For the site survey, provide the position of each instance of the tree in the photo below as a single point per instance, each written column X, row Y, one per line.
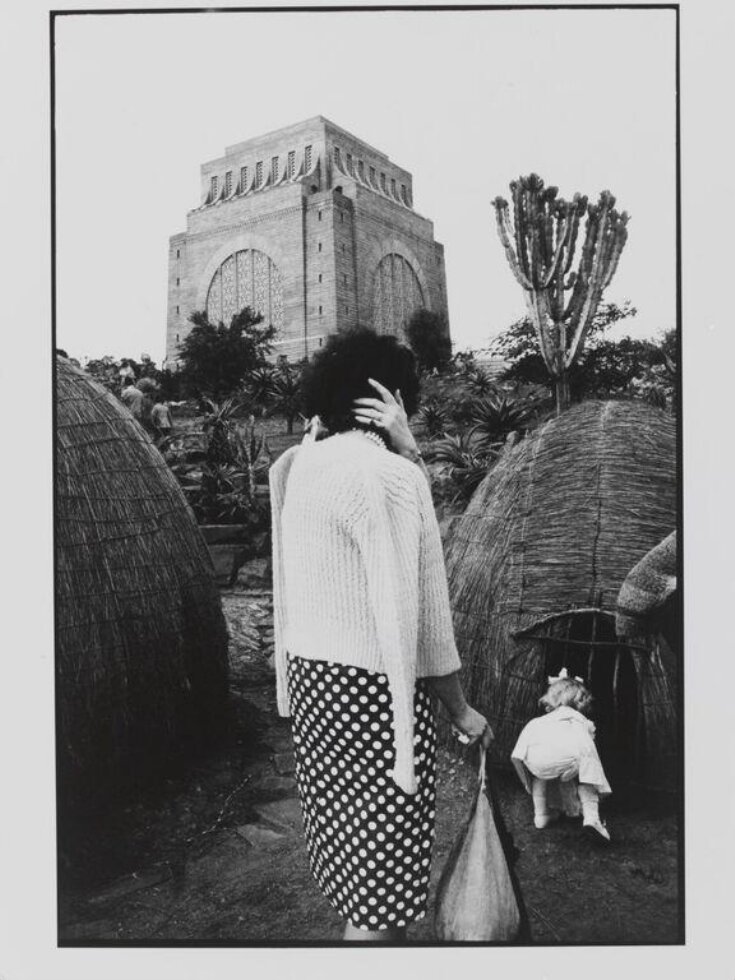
column 428, row 337
column 520, row 347
column 215, row 359
column 628, row 366
column 540, row 246
column 110, row 372
column 106, row 371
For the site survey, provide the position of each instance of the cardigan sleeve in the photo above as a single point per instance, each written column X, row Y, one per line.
column 437, row 651
column 277, row 479
column 394, row 610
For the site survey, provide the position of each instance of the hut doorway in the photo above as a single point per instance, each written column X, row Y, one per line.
column 584, row 641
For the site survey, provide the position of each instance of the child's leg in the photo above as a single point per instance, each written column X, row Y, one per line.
column 541, row 815
column 590, row 800
column 570, row 797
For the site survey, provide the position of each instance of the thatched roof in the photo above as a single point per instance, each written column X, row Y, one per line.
column 556, row 525
column 141, row 642
column 647, row 588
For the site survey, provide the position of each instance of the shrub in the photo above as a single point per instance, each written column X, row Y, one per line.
column 496, row 416
column 434, row 419
column 466, row 459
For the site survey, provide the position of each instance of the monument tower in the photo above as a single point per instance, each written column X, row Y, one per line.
column 313, row 228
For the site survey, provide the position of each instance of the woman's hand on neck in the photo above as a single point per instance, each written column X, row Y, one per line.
column 388, row 415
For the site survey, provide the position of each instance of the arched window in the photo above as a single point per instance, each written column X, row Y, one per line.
column 246, row 278
column 397, row 294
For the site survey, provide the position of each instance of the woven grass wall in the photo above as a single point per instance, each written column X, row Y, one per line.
column 556, row 525
column 141, row 641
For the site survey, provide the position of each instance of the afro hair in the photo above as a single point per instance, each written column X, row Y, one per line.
column 339, row 372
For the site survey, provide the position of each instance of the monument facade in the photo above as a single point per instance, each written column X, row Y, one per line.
column 313, row 228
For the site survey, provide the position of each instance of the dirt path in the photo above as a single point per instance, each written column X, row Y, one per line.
column 217, row 855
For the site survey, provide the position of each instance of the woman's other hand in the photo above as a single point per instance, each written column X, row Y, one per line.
column 470, row 727
column 387, row 414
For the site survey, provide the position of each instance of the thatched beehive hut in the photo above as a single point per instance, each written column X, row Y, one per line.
column 141, row 641
column 535, row 565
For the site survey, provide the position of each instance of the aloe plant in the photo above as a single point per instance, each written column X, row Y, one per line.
column 496, row 416
column 219, row 425
column 434, row 418
column 286, row 396
column 479, row 383
column 467, row 458
column 222, row 488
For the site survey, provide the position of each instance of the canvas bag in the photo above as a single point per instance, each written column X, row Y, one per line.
column 476, row 900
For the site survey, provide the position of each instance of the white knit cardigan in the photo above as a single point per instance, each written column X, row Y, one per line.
column 358, row 572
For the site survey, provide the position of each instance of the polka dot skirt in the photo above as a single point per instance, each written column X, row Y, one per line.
column 369, row 843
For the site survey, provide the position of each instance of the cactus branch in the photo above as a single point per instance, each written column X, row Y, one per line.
column 544, row 231
column 504, row 231
column 560, row 243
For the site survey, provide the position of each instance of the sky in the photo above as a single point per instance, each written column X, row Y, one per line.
column 466, row 101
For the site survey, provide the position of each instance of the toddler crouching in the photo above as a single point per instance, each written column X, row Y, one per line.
column 556, row 758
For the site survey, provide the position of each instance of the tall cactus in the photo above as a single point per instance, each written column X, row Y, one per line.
column 539, row 245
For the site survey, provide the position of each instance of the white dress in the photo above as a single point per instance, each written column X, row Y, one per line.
column 559, row 745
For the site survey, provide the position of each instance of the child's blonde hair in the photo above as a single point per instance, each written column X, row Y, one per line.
column 567, row 691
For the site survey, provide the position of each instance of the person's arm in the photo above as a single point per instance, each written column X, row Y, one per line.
column 278, row 476
column 414, row 455
column 465, row 719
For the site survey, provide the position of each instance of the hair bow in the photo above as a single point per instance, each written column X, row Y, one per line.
column 563, row 675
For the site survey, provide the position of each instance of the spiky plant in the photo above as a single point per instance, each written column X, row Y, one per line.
column 496, row 416
column 258, row 390
column 219, row 424
column 540, row 244
column 479, row 383
column 434, row 419
column 286, row 397
column 467, row 459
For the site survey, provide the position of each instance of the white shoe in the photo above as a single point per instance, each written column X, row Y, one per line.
column 596, row 831
column 544, row 821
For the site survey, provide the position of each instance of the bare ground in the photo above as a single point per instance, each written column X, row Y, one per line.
column 215, row 855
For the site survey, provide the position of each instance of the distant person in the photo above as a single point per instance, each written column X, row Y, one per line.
column 133, row 398
column 161, row 422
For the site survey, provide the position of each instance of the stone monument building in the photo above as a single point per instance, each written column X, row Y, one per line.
column 311, row 227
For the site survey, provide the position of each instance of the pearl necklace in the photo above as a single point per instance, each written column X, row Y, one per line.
column 372, row 436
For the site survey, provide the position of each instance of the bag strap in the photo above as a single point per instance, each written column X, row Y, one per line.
column 482, row 774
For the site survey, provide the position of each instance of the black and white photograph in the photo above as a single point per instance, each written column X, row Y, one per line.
column 370, row 483
column 365, row 485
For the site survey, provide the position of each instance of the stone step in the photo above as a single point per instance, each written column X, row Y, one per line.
column 281, row 814
column 259, row 836
column 277, row 785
